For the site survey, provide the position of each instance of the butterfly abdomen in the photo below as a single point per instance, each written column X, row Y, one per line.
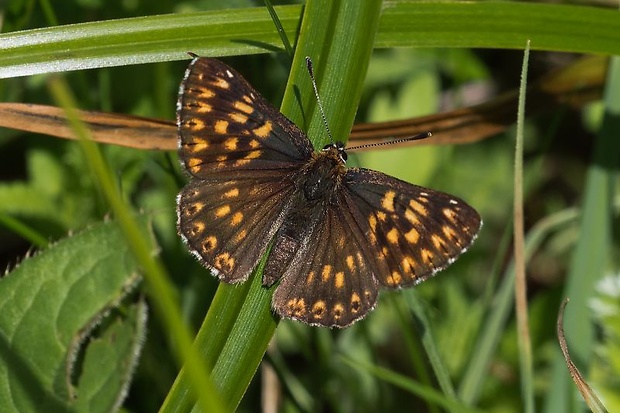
column 289, row 238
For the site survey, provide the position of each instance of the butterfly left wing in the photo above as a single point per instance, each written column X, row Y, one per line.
column 413, row 231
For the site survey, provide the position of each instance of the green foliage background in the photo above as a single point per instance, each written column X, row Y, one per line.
column 449, row 344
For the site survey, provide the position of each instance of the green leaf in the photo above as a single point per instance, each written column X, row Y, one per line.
column 51, row 303
column 110, row 360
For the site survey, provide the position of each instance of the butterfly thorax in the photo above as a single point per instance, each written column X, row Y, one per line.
column 322, row 175
column 317, row 183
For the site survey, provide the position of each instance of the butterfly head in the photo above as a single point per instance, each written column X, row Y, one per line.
column 336, row 150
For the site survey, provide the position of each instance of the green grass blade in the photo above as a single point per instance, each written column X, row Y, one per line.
column 246, row 344
column 276, row 21
column 246, row 31
column 341, row 90
column 525, row 344
column 339, row 67
column 499, row 25
column 413, row 387
column 221, row 318
column 18, row 227
column 418, row 357
column 143, row 40
column 432, row 350
column 486, row 346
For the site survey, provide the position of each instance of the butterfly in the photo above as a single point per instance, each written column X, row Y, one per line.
column 335, row 234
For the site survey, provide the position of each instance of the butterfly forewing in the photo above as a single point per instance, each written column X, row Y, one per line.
column 226, row 127
column 413, row 231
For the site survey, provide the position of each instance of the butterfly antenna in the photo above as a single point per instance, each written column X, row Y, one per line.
column 318, row 98
column 419, row 136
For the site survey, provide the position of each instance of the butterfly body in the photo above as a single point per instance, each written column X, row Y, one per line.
column 335, row 234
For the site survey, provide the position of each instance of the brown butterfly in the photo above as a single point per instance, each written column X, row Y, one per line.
column 335, row 234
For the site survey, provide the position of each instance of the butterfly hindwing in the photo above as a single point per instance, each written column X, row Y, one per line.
column 330, row 282
column 377, row 231
column 227, row 224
